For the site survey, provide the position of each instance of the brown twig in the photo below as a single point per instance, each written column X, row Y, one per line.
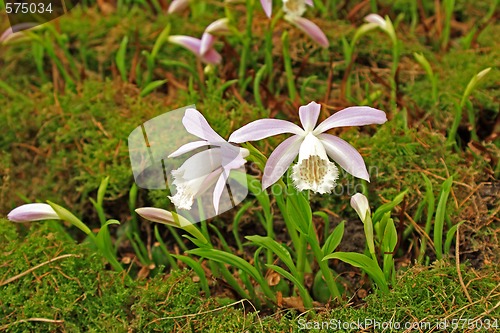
column 9, row 280
column 457, row 261
column 44, row 320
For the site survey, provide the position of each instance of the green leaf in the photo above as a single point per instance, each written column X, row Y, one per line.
column 152, row 86
column 196, row 267
column 333, row 240
column 230, row 259
column 162, row 38
column 120, row 58
column 102, row 191
column 440, row 214
column 66, row 215
column 277, row 249
column 306, row 298
column 299, row 211
column 387, row 207
column 365, row 263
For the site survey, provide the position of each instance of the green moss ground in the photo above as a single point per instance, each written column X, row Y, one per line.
column 59, row 143
column 76, row 294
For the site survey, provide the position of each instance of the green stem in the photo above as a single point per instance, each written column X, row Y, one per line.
column 325, row 270
column 247, row 39
column 292, row 91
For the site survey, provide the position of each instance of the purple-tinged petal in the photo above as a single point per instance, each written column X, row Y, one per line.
column 308, row 115
column 267, row 5
column 160, row 216
column 33, row 212
column 376, row 19
column 310, row 28
column 178, row 6
column 263, row 128
column 211, row 57
column 309, row 3
column 196, row 124
column 217, row 26
column 190, row 43
column 352, row 116
column 280, row 160
column 188, row 147
column 207, row 41
column 344, row 155
column 12, row 32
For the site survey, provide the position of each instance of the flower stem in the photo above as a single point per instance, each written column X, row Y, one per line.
column 292, row 91
column 247, row 40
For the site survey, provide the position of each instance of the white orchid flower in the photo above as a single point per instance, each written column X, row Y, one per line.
column 375, row 20
column 205, row 168
column 313, row 171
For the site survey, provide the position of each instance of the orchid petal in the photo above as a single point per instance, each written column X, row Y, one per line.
column 280, row 160
column 190, row 43
column 196, row 124
column 352, row 116
column 177, row 6
column 220, row 25
column 199, row 165
column 33, row 212
column 160, row 216
column 360, row 204
column 207, row 41
column 12, row 32
column 267, row 5
column 308, row 115
column 263, row 128
column 188, row 147
column 309, row 3
column 219, row 189
column 211, row 57
column 345, row 155
column 310, row 28
column 376, row 19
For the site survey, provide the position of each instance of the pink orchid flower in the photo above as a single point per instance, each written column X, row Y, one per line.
column 203, row 48
column 313, row 145
column 294, row 9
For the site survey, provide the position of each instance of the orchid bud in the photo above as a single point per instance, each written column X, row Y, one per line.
column 360, row 204
column 33, row 212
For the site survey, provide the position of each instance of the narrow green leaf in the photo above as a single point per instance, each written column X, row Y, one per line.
column 333, row 240
column 230, row 259
column 152, row 86
column 277, row 249
column 365, row 263
column 120, row 59
column 196, row 267
column 440, row 216
column 306, row 298
column 66, row 215
column 387, row 207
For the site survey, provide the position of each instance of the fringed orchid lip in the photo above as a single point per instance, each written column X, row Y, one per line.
column 313, row 171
